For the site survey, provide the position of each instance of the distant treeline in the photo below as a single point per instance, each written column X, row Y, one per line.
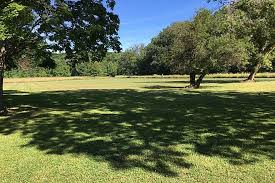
column 133, row 61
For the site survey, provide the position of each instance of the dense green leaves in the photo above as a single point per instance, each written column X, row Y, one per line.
column 239, row 35
column 13, row 17
column 254, row 21
column 158, row 54
column 84, row 29
column 203, row 45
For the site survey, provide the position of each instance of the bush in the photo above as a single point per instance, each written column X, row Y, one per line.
column 103, row 68
column 36, row 72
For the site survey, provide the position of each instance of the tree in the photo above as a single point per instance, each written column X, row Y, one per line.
column 203, row 46
column 128, row 63
column 198, row 47
column 14, row 22
column 129, row 60
column 83, row 29
column 254, row 19
column 157, row 55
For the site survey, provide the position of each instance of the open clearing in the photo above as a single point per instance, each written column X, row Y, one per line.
column 137, row 130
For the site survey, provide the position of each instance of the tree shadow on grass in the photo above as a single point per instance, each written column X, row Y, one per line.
column 152, row 130
column 206, row 80
column 162, row 87
column 186, row 81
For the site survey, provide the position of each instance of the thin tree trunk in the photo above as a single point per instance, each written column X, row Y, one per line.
column 2, row 104
column 199, row 80
column 195, row 83
column 74, row 71
column 2, row 59
column 266, row 51
column 253, row 73
column 192, row 79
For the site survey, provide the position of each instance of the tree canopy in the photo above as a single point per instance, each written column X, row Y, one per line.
column 253, row 20
column 204, row 45
column 197, row 47
column 238, row 35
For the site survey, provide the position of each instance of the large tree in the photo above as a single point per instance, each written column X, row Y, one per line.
column 253, row 19
column 198, row 47
column 83, row 29
column 15, row 20
column 203, row 46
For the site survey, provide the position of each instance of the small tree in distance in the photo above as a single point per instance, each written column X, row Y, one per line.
column 129, row 60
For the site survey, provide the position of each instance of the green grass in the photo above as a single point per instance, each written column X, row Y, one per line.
column 137, row 130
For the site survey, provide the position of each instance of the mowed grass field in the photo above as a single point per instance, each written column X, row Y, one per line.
column 137, row 130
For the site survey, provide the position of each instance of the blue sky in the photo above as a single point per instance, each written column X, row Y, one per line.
column 141, row 20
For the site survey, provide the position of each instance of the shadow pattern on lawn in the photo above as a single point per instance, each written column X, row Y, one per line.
column 130, row 129
column 207, row 80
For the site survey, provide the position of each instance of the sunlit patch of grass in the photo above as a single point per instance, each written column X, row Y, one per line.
column 138, row 130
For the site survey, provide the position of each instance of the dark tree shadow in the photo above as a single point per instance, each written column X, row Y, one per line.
column 129, row 128
column 158, row 87
column 162, row 87
column 185, row 81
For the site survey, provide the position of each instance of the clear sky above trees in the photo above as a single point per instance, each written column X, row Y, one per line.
column 143, row 19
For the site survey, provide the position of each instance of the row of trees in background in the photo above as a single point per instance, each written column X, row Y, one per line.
column 133, row 61
column 123, row 63
column 113, row 64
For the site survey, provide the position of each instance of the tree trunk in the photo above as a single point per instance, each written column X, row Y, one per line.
column 74, row 71
column 266, row 51
column 199, row 81
column 195, row 83
column 2, row 59
column 192, row 79
column 253, row 73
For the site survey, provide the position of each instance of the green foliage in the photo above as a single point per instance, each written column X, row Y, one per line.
column 36, row 72
column 61, row 69
column 254, row 21
column 84, row 29
column 206, row 46
column 103, row 68
column 157, row 55
column 235, row 38
column 12, row 16
column 107, row 67
column 203, row 45
column 18, row 36
column 128, row 64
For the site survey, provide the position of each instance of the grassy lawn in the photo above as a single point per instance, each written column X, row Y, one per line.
column 137, row 130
